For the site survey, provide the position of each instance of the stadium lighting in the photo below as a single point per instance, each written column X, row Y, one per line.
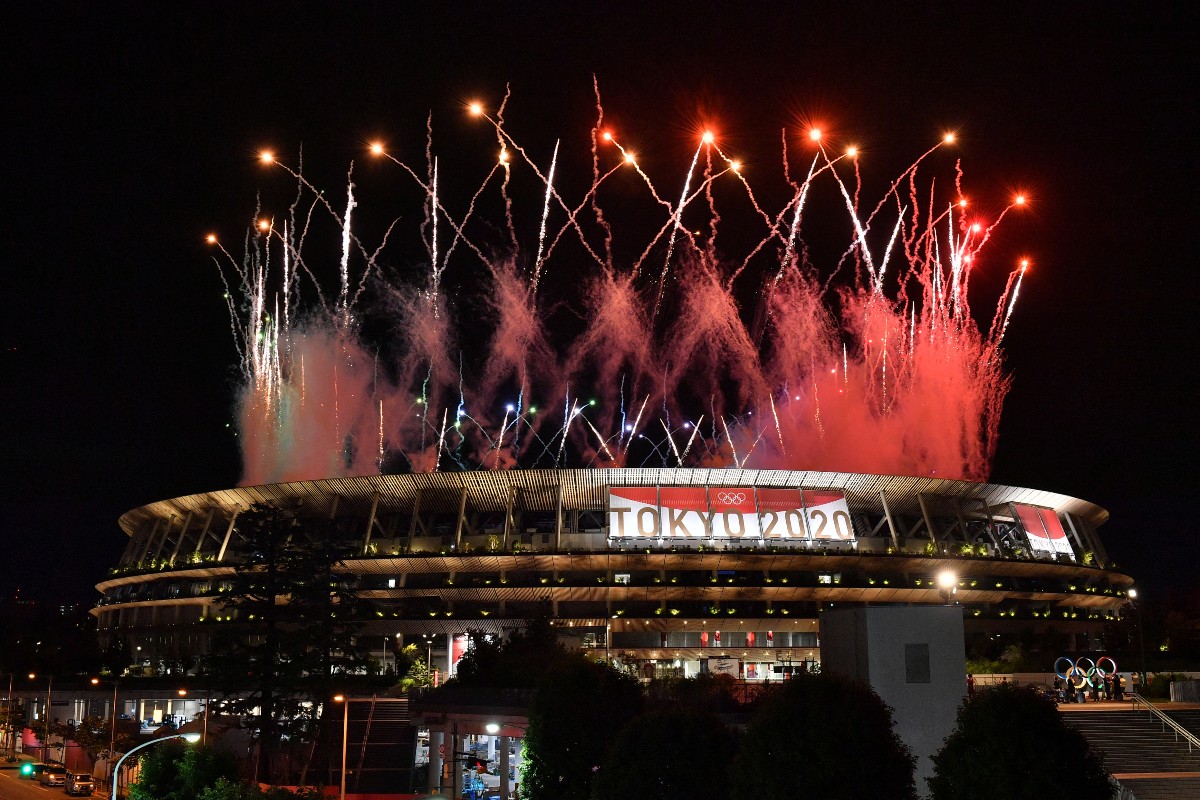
column 947, row 583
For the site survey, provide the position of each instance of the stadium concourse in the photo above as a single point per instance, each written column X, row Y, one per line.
column 675, row 571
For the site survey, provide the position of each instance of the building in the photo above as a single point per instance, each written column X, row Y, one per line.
column 674, row 571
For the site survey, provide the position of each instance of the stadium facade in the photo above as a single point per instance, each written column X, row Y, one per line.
column 675, row 570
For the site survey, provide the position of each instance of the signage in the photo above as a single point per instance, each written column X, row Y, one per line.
column 1044, row 530
column 728, row 512
column 724, row 666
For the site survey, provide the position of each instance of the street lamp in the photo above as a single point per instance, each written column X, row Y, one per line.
column 494, row 728
column 189, row 737
column 46, row 740
column 1133, row 596
column 207, row 695
column 428, row 653
column 947, row 583
column 10, row 727
column 341, row 698
column 112, row 739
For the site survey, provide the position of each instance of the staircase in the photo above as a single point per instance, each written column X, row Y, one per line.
column 1151, row 763
column 380, row 746
column 1188, row 718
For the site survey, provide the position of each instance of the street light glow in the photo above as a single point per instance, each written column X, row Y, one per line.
column 947, row 579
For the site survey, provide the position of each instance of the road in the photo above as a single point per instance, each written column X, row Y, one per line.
column 13, row 788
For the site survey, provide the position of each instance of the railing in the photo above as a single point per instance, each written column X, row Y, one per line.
column 1166, row 721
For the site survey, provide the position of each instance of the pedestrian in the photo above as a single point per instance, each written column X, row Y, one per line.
column 1108, row 687
column 970, row 685
column 1119, row 686
column 1080, row 696
column 1135, row 682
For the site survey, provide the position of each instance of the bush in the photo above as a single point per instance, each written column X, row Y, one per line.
column 1010, row 743
column 1159, row 687
column 642, row 764
column 175, row 771
column 810, row 737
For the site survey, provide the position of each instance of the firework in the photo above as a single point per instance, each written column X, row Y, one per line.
column 869, row 361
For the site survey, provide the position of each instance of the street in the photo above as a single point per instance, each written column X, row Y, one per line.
column 13, row 788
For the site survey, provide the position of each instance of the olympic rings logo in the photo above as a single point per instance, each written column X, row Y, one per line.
column 1079, row 676
column 732, row 498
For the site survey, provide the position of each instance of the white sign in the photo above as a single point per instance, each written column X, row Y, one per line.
column 724, row 666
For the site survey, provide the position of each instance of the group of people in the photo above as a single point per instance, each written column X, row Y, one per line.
column 1099, row 686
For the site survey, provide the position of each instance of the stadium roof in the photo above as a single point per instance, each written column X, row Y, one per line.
column 587, row 488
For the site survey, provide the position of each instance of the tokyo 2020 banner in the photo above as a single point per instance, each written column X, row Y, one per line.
column 1044, row 530
column 728, row 512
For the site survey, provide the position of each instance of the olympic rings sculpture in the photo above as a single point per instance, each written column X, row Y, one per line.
column 1075, row 674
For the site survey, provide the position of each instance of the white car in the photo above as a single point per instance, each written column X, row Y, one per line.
column 80, row 784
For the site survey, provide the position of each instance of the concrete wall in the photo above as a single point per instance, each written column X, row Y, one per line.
column 913, row 657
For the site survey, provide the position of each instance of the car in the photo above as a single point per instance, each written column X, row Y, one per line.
column 53, row 775
column 32, row 770
column 80, row 783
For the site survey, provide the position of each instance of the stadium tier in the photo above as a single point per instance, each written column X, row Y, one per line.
column 676, row 570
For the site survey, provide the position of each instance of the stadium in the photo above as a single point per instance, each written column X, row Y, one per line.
column 673, row 571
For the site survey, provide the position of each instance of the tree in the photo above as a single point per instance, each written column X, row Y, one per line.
column 665, row 754
column 419, row 675
column 94, row 735
column 288, row 626
column 518, row 662
column 706, row 692
column 175, row 771
column 225, row 789
column 11, row 723
column 576, row 712
column 827, row 736
column 1009, row 743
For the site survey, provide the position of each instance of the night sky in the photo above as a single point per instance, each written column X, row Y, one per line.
column 132, row 129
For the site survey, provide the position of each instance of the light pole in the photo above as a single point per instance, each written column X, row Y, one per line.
column 1133, row 596
column 947, row 583
column 428, row 653
column 46, row 739
column 204, row 735
column 207, row 693
column 10, row 727
column 494, row 728
column 190, row 737
column 112, row 738
column 339, row 698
